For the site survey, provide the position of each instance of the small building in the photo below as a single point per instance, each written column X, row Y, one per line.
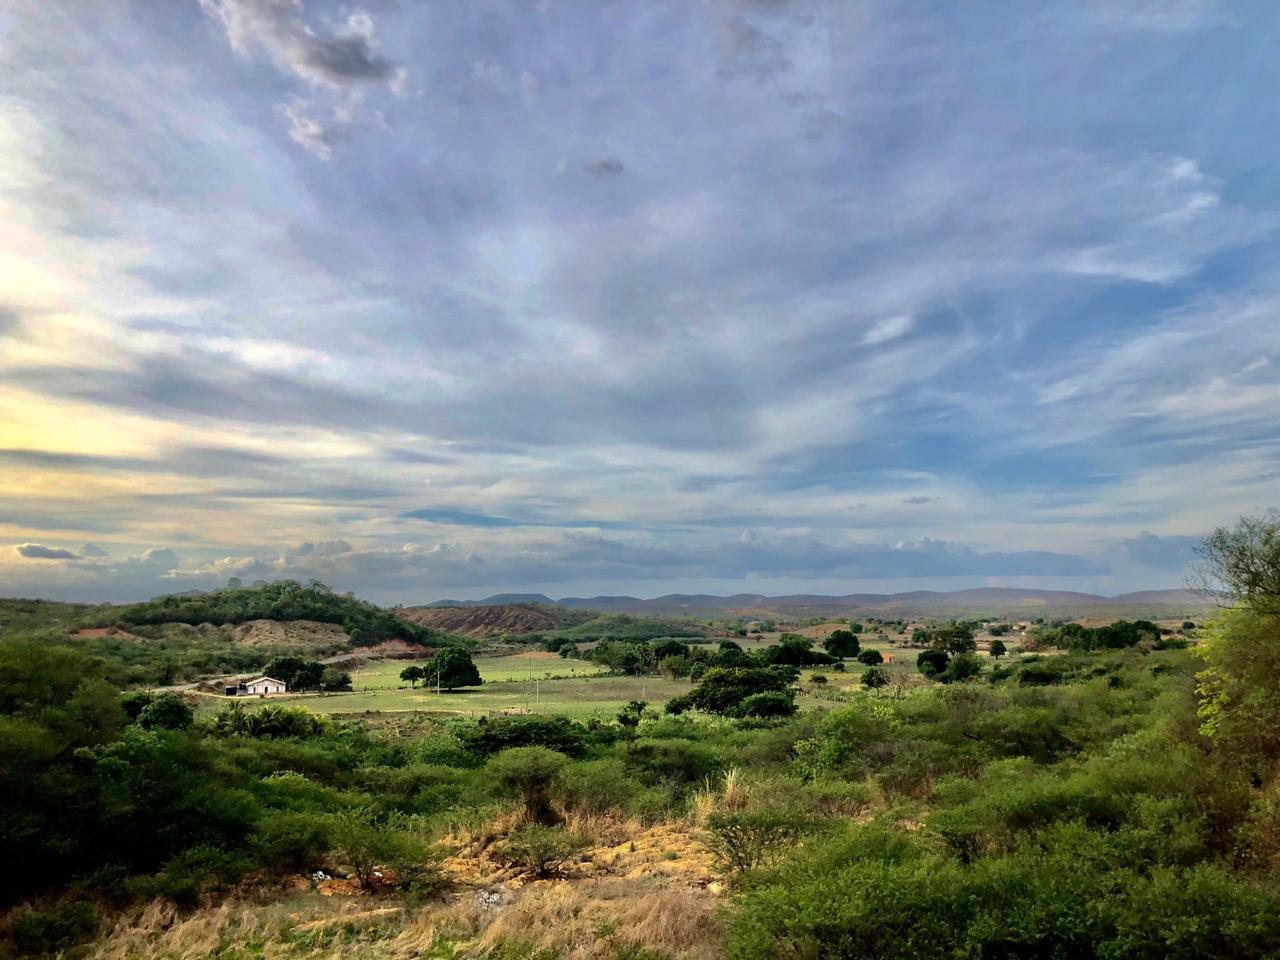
column 261, row 687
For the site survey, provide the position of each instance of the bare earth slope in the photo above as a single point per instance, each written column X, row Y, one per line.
column 487, row 621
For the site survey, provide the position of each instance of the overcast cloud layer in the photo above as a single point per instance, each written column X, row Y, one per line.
column 447, row 299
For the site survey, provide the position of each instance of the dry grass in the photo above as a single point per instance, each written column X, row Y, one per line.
column 648, row 887
column 588, row 920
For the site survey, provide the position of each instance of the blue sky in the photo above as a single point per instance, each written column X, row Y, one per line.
column 448, row 299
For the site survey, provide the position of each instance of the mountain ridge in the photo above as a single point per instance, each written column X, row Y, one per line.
column 1014, row 598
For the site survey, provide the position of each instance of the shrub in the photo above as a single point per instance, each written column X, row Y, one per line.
column 46, row 930
column 675, row 760
column 540, row 849
column 963, row 666
column 501, row 733
column 598, row 786
column 743, row 840
column 290, row 842
column 871, row 657
column 367, row 845
column 875, row 677
column 532, row 775
column 771, row 704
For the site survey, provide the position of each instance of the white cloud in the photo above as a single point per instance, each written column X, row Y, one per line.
column 890, row 328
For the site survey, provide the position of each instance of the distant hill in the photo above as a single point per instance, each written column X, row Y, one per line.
column 1010, row 601
column 497, row 600
column 282, row 600
column 486, row 620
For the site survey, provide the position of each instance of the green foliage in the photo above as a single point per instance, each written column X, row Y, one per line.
column 541, row 849
column 1242, row 564
column 870, row 658
column 963, row 666
column 47, row 930
column 677, row 762
column 451, row 668
column 1113, row 636
column 412, row 673
column 295, row 672
column 998, row 649
column 875, row 677
column 725, row 689
column 501, row 733
column 794, row 651
column 167, row 712
column 770, row 704
column 953, row 638
column 273, row 720
column 532, row 775
column 332, row 679
column 743, row 840
column 1239, row 687
column 932, row 663
column 630, row 715
column 842, row 643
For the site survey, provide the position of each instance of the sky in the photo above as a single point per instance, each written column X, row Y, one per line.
column 447, row 299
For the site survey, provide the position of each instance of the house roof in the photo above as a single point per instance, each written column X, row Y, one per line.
column 260, row 679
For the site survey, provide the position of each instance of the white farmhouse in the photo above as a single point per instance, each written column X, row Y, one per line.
column 264, row 686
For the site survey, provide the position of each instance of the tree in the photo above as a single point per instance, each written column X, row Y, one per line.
column 1241, row 564
column 412, row 673
column 333, row 679
column 953, row 638
column 532, row 775
column 724, row 689
column 168, row 711
column 871, row 657
column 542, row 850
column 451, row 668
column 964, row 666
column 932, row 662
column 842, row 643
column 998, row 649
column 875, row 677
column 793, row 650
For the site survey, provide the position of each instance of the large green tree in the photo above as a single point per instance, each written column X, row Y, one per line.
column 451, row 668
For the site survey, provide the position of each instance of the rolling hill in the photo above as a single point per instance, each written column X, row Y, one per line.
column 1010, row 601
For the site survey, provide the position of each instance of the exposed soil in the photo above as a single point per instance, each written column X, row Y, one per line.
column 515, row 618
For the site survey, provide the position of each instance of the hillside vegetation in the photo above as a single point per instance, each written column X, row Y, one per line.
column 364, row 623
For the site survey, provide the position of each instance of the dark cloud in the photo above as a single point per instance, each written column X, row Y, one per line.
column 341, row 57
column 93, row 551
column 605, row 167
column 917, row 500
column 38, row 551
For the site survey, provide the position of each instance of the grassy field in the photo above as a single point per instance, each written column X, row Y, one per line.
column 525, row 666
column 575, row 696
